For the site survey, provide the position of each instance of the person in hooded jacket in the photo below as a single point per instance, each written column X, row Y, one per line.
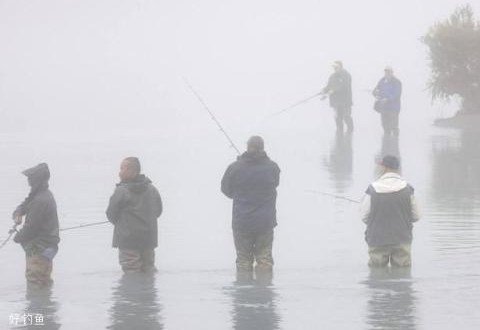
column 134, row 209
column 251, row 182
column 39, row 235
column 389, row 209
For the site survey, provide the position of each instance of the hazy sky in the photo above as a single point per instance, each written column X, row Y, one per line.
column 111, row 64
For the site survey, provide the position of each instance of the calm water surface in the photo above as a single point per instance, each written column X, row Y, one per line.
column 320, row 281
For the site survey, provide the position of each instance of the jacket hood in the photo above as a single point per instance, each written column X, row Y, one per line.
column 138, row 185
column 388, row 183
column 38, row 174
column 253, row 156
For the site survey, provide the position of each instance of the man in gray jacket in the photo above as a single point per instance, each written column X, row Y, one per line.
column 39, row 235
column 389, row 210
column 134, row 209
column 251, row 182
column 339, row 92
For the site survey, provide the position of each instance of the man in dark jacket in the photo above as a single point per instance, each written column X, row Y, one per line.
column 134, row 209
column 251, row 182
column 339, row 91
column 387, row 93
column 39, row 235
column 389, row 210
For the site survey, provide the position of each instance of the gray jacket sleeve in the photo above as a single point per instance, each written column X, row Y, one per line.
column 157, row 202
column 226, row 185
column 415, row 209
column 115, row 205
column 33, row 222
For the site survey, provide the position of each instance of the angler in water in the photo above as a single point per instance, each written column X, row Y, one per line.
column 251, row 182
column 387, row 94
column 339, row 91
column 39, row 235
column 389, row 210
column 134, row 209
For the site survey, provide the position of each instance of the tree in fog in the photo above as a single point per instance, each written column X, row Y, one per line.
column 454, row 51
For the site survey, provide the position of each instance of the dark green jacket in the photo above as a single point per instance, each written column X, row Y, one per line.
column 134, row 209
column 40, row 230
column 339, row 87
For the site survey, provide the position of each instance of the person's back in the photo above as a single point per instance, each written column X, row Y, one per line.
column 251, row 182
column 390, row 216
column 389, row 210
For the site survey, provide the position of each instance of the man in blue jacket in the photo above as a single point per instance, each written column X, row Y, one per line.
column 251, row 182
column 388, row 93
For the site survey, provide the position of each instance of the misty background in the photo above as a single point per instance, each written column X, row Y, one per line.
column 84, row 84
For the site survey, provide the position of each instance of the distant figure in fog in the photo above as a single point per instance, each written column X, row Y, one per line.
column 251, row 182
column 134, row 209
column 388, row 93
column 39, row 235
column 389, row 209
column 339, row 91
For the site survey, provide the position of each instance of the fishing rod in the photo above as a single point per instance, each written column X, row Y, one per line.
column 14, row 229
column 10, row 234
column 220, row 127
column 85, row 225
column 295, row 104
column 334, row 196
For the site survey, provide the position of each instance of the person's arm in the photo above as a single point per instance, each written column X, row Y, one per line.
column 415, row 209
column 226, row 184
column 158, row 203
column 397, row 91
column 328, row 89
column 33, row 222
column 277, row 176
column 376, row 91
column 365, row 208
column 115, row 205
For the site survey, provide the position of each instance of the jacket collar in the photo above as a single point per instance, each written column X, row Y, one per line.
column 389, row 182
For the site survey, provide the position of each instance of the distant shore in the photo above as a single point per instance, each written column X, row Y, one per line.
column 461, row 120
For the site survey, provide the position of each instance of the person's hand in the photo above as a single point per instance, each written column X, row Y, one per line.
column 18, row 220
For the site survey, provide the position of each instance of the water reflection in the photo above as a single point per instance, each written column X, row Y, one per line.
column 254, row 302
column 456, row 170
column 135, row 304
column 40, row 302
column 391, row 303
column 340, row 161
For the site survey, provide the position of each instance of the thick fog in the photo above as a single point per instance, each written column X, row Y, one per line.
column 84, row 84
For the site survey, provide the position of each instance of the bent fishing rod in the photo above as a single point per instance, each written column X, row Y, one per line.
column 212, row 116
column 334, row 196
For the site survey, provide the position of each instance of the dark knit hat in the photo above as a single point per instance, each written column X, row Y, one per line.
column 391, row 162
